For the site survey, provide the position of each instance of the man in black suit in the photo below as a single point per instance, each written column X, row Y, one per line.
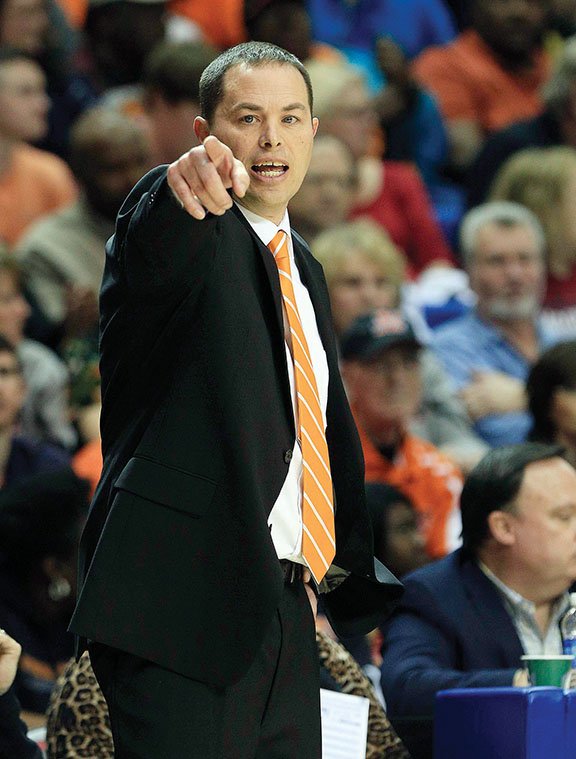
column 196, row 591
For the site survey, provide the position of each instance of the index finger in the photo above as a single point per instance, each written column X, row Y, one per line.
column 219, row 154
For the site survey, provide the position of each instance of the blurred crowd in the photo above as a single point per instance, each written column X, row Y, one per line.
column 441, row 203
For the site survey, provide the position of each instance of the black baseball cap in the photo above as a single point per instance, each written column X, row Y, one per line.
column 373, row 333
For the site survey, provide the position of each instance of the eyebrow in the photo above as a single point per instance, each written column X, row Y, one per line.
column 254, row 107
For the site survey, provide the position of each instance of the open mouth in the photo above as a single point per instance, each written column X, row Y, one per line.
column 270, row 168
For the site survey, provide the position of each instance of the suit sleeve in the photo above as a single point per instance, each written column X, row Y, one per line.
column 157, row 244
column 421, row 656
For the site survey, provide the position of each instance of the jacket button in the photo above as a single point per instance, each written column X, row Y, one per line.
column 288, row 456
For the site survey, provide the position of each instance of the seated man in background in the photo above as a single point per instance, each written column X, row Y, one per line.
column 382, row 373
column 490, row 75
column 464, row 621
column 63, row 254
column 328, row 191
column 555, row 125
column 488, row 351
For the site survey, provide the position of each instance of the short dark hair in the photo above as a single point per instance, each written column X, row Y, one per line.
column 555, row 369
column 493, row 485
column 252, row 54
column 174, row 69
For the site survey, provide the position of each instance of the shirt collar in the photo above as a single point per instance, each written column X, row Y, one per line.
column 264, row 228
column 516, row 600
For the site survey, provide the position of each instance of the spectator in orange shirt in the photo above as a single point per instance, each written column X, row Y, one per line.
column 382, row 372
column 32, row 182
column 220, row 24
column 491, row 75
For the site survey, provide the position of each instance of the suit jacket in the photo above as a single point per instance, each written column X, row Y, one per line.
column 451, row 630
column 177, row 564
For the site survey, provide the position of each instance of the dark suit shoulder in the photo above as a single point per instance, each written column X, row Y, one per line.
column 443, row 587
column 435, row 574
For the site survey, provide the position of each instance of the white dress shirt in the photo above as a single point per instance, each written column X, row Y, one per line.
column 285, row 519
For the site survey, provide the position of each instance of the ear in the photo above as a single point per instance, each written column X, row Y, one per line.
column 501, row 529
column 201, row 129
column 315, row 125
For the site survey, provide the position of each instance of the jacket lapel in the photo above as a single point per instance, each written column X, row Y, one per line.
column 484, row 597
column 270, row 267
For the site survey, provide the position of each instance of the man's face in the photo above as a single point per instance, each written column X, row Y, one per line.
column 404, row 540
column 327, row 192
column 264, row 118
column 507, row 272
column 12, row 390
column 543, row 526
column 385, row 392
column 353, row 119
column 116, row 167
column 512, row 28
column 23, row 101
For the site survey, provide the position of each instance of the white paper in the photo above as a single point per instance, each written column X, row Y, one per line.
column 344, row 725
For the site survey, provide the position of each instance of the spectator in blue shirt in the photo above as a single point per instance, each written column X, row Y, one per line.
column 488, row 352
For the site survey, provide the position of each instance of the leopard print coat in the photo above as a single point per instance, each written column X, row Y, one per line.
column 79, row 726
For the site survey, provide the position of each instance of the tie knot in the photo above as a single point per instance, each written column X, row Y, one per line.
column 279, row 247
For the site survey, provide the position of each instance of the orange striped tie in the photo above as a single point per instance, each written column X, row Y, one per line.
column 318, row 536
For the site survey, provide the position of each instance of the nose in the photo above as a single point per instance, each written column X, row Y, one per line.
column 270, row 136
column 516, row 270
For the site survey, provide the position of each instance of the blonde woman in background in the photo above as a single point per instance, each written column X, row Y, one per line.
column 364, row 270
column 544, row 180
